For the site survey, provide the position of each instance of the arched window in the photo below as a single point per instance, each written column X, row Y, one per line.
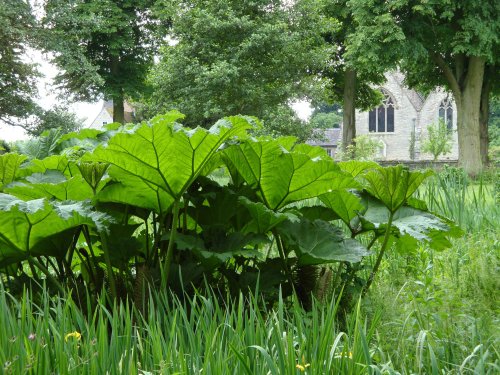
column 381, row 119
column 446, row 112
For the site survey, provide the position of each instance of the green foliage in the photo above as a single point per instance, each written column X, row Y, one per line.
column 439, row 140
column 40, row 147
column 17, row 76
column 235, row 57
column 494, row 131
column 9, row 166
column 137, row 206
column 437, row 309
column 57, row 118
column 322, row 120
column 174, row 334
column 38, row 227
column 102, row 47
column 364, row 147
column 282, row 121
column 349, row 51
column 471, row 205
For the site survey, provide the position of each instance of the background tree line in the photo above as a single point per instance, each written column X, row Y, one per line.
column 211, row 58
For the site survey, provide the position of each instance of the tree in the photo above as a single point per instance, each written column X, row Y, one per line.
column 438, row 140
column 364, row 147
column 103, row 47
column 325, row 120
column 354, row 65
column 233, row 57
column 57, row 118
column 450, row 43
column 17, row 77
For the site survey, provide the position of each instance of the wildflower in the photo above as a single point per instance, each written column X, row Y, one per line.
column 302, row 366
column 32, row 336
column 75, row 334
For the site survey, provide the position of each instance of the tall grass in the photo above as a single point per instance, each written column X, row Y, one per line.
column 202, row 335
column 471, row 204
column 440, row 310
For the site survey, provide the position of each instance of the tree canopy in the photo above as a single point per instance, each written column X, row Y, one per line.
column 448, row 43
column 103, row 47
column 233, row 57
column 17, row 76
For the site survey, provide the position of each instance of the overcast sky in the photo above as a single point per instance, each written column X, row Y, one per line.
column 88, row 111
column 48, row 98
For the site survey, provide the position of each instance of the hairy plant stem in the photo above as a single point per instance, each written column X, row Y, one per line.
column 170, row 249
column 33, row 262
column 380, row 255
column 107, row 259
column 337, row 275
column 283, row 257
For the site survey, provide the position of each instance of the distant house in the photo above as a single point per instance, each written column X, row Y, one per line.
column 330, row 140
column 105, row 115
column 402, row 112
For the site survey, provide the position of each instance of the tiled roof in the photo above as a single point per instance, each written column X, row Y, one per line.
column 330, row 138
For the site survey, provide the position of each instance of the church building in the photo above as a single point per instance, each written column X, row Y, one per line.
column 402, row 112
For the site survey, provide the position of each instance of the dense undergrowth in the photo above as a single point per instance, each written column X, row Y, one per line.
column 91, row 239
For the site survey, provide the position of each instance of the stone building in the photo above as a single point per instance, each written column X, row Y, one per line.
column 105, row 115
column 402, row 112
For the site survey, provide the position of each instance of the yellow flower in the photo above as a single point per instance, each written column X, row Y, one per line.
column 302, row 367
column 76, row 335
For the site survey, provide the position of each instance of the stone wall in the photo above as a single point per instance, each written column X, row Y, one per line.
column 408, row 116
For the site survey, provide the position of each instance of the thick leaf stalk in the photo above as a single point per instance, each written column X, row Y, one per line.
column 107, row 259
column 380, row 255
column 283, row 257
column 170, row 249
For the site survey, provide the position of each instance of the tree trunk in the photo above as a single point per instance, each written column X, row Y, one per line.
column 468, row 115
column 349, row 119
column 117, row 93
column 118, row 110
column 484, row 117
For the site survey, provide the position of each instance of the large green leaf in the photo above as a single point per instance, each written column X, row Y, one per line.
column 281, row 177
column 393, row 186
column 223, row 248
column 53, row 185
column 263, row 219
column 318, row 242
column 165, row 156
column 357, row 167
column 28, row 227
column 132, row 190
column 411, row 225
column 54, row 162
column 345, row 204
column 9, row 167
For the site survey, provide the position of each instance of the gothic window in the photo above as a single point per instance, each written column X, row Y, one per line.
column 381, row 119
column 446, row 112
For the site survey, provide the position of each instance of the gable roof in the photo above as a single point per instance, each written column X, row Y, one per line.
column 330, row 137
column 416, row 99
